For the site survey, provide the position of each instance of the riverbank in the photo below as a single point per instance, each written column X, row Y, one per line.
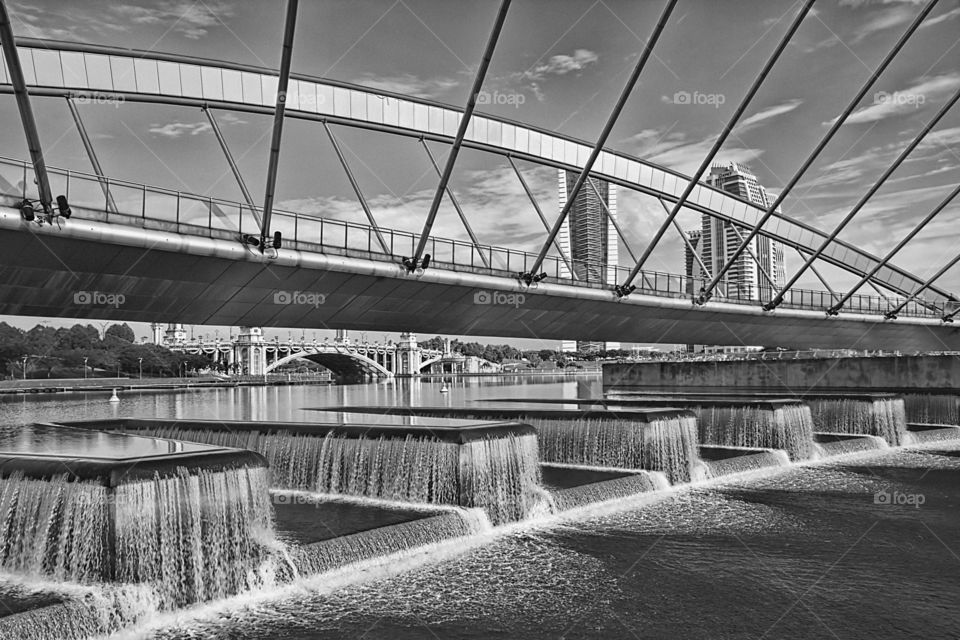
column 68, row 385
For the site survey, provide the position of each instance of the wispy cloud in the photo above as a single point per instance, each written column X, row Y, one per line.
column 178, row 129
column 562, row 64
column 770, row 112
column 675, row 151
column 409, row 84
column 190, row 18
column 921, row 93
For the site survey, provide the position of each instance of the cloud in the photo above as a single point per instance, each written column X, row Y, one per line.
column 904, row 101
column 192, row 19
column 673, row 150
column 409, row 84
column 770, row 112
column 177, row 129
column 562, row 64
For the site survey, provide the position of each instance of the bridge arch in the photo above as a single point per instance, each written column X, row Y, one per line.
column 63, row 69
column 343, row 363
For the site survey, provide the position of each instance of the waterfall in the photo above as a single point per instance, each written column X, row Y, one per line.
column 835, row 444
column 54, row 527
column 626, row 486
column 667, row 444
column 874, row 416
column 337, row 552
column 932, row 408
column 721, row 461
column 194, row 537
column 500, row 473
column 788, row 427
column 189, row 536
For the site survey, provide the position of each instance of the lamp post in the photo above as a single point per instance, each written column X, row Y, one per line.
column 85, row 368
column 24, row 367
column 140, row 362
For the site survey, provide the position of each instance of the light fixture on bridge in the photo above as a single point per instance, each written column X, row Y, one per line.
column 412, row 265
column 250, row 239
column 27, row 212
column 623, row 290
column 63, row 207
column 277, row 240
column 530, row 278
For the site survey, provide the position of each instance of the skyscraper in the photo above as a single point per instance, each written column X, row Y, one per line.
column 589, row 239
column 751, row 274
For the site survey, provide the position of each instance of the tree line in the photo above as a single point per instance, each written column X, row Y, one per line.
column 45, row 352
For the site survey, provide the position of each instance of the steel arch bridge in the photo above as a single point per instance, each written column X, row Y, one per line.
column 85, row 71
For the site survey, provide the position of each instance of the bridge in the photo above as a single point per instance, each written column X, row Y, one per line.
column 251, row 354
column 182, row 257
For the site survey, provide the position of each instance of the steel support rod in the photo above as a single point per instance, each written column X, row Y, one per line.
column 613, row 221
column 413, row 262
column 717, row 144
column 92, row 155
column 686, row 240
column 816, row 272
column 892, row 314
column 900, row 245
column 863, row 200
column 705, row 294
column 26, row 111
column 233, row 165
column 456, row 205
column 356, row 189
column 756, row 260
column 543, row 218
column 290, row 26
column 531, row 275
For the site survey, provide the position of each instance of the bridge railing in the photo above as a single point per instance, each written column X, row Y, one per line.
column 127, row 202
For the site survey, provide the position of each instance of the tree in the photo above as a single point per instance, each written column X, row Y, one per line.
column 119, row 332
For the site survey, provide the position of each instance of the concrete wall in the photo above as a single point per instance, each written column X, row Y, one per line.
column 922, row 373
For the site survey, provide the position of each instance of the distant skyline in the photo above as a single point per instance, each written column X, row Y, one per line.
column 559, row 65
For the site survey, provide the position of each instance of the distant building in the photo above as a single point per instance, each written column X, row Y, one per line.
column 747, row 277
column 589, row 239
column 716, row 241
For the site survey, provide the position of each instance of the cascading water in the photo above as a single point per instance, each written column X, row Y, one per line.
column 932, row 408
column 724, row 460
column 667, row 444
column 190, row 536
column 337, row 552
column 56, row 527
column 623, row 487
column 879, row 416
column 499, row 473
column 193, row 537
column 788, row 427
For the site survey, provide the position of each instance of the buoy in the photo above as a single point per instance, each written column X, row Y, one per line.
column 114, row 397
column 444, row 388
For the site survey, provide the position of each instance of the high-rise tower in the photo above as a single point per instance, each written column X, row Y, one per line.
column 747, row 277
column 589, row 239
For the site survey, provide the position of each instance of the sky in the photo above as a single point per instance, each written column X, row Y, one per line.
column 560, row 65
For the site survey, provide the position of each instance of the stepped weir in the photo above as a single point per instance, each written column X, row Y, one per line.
column 655, row 440
column 493, row 466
